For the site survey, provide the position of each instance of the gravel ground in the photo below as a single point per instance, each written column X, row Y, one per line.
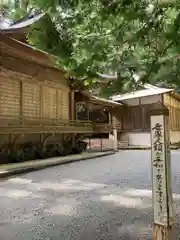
column 99, row 199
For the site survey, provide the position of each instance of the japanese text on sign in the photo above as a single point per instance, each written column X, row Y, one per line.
column 158, row 168
column 157, row 161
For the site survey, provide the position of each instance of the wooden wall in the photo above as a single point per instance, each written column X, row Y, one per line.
column 173, row 105
column 9, row 97
column 29, row 88
column 25, row 96
column 136, row 118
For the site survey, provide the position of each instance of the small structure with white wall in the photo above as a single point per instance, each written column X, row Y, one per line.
column 134, row 115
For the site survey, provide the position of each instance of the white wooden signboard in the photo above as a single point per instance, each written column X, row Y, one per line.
column 159, row 174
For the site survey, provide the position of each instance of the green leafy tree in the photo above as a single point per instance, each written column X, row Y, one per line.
column 4, row 7
column 119, row 37
column 14, row 9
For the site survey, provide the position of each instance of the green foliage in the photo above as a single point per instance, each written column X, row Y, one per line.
column 15, row 9
column 43, row 35
column 16, row 15
column 123, row 36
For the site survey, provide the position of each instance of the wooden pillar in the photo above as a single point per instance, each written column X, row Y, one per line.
column 72, row 105
column 101, row 142
column 142, row 120
column 72, row 114
column 21, row 102
column 110, row 123
column 115, row 139
column 41, row 102
column 57, row 93
column 41, row 113
column 89, row 143
column 161, row 173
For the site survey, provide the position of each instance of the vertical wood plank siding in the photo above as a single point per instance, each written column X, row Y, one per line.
column 30, row 89
column 136, row 118
column 32, row 99
column 174, row 111
column 9, row 97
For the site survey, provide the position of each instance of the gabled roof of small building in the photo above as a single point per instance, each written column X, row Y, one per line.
column 149, row 90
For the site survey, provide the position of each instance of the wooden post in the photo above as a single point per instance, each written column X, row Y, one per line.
column 21, row 103
column 72, row 104
column 101, row 144
column 110, row 123
column 115, row 139
column 89, row 143
column 161, row 173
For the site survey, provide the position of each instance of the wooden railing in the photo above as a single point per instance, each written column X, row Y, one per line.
column 17, row 125
column 22, row 125
column 105, row 127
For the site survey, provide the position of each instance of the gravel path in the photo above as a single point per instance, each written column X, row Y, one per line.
column 100, row 199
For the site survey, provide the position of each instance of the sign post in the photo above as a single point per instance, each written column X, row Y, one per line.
column 161, row 173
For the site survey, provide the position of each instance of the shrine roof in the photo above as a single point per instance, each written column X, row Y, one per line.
column 141, row 93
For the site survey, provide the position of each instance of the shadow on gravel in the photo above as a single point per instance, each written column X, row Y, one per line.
column 83, row 207
column 72, row 209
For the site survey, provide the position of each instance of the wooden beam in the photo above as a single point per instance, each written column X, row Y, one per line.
column 21, row 100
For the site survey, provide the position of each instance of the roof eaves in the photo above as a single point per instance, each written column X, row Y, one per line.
column 98, row 100
column 105, row 101
column 29, row 52
column 146, row 93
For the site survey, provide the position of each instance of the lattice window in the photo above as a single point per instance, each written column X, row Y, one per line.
column 62, row 104
column 59, row 104
column 49, row 102
column 31, row 101
column 9, row 97
column 65, row 105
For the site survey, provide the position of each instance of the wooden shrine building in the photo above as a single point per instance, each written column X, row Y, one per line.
column 134, row 115
column 38, row 103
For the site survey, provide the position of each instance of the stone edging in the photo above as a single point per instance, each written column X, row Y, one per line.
column 18, row 170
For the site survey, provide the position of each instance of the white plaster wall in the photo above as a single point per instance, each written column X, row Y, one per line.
column 111, row 136
column 96, row 143
column 144, row 100
column 143, row 139
column 151, row 99
column 137, row 139
column 132, row 102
